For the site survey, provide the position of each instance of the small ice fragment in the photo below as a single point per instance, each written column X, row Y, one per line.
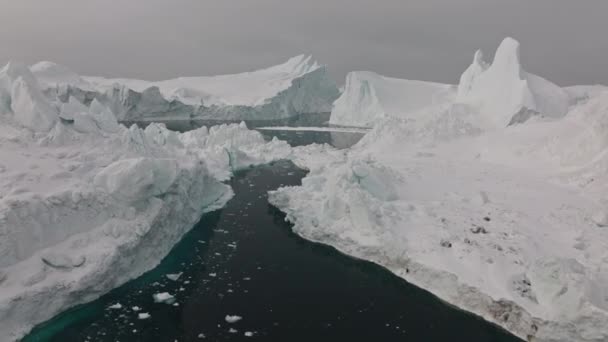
column 163, row 297
column 136, row 308
column 201, row 335
column 143, row 315
column 115, row 306
column 174, row 276
column 233, row 318
column 233, row 331
column 212, row 274
column 248, row 333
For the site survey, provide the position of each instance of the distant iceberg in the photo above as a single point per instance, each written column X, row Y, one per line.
column 298, row 86
column 496, row 94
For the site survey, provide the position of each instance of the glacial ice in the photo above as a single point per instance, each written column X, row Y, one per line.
column 297, row 86
column 505, row 221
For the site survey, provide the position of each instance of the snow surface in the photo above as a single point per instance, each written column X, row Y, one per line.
column 507, row 222
column 297, row 86
column 87, row 204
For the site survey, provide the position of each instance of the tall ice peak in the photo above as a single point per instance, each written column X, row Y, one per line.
column 508, row 57
column 504, row 89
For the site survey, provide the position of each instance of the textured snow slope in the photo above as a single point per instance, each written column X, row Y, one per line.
column 297, row 86
column 87, row 204
column 499, row 94
column 510, row 223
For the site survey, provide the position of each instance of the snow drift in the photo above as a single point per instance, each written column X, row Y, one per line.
column 87, row 204
column 297, row 86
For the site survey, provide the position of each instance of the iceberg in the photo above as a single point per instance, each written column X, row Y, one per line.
column 492, row 95
column 87, row 204
column 504, row 89
column 505, row 220
column 298, row 86
column 369, row 97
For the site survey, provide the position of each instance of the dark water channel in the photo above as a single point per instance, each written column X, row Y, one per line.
column 244, row 260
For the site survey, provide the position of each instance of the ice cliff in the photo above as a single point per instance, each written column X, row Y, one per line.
column 297, row 86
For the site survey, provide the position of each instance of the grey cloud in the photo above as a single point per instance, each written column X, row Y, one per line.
column 562, row 40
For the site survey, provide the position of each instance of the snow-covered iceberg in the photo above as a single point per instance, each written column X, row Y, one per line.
column 298, row 86
column 503, row 89
column 369, row 97
column 87, row 204
column 505, row 221
column 495, row 95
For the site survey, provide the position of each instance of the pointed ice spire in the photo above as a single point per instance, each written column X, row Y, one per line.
column 470, row 75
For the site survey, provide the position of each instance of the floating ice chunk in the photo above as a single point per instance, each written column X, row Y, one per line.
column 143, row 315
column 174, row 276
column 233, row 331
column 233, row 318
column 163, row 297
column 136, row 308
column 248, row 334
column 116, row 306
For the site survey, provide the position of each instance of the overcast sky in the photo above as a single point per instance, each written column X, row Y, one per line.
column 565, row 41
